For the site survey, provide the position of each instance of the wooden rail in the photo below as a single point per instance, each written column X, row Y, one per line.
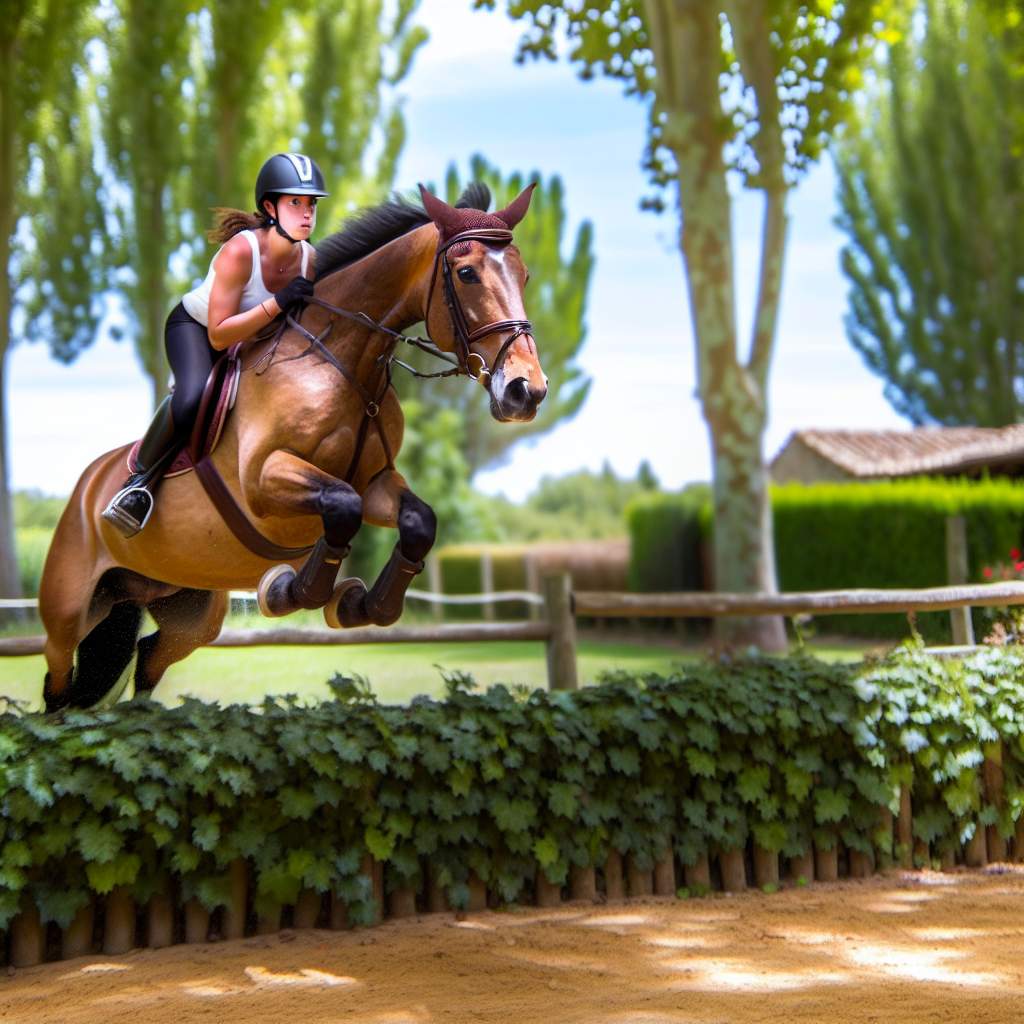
column 700, row 604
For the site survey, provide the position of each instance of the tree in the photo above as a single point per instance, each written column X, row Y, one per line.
column 931, row 191
column 50, row 220
column 142, row 100
column 556, row 300
column 750, row 88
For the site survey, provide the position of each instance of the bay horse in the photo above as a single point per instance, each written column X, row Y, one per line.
column 304, row 459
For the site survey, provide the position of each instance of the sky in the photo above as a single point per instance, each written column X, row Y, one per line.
column 466, row 95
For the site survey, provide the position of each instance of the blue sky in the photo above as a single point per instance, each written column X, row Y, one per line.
column 466, row 95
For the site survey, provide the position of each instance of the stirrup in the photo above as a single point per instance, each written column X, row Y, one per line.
column 125, row 523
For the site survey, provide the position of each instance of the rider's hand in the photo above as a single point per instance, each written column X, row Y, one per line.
column 298, row 289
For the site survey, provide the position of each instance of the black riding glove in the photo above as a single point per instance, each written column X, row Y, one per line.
column 298, row 289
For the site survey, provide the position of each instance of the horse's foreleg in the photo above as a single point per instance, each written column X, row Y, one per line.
column 388, row 502
column 290, row 486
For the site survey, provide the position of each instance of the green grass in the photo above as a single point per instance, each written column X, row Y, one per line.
column 397, row 672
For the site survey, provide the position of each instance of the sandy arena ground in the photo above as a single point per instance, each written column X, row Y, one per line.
column 900, row 950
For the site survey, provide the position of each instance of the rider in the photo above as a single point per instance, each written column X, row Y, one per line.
column 264, row 265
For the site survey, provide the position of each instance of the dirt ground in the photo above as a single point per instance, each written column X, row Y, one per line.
column 906, row 949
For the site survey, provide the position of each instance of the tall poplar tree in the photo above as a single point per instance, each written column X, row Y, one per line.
column 752, row 89
column 931, row 190
column 50, row 219
column 143, row 102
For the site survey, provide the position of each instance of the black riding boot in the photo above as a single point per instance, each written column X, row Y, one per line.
column 129, row 510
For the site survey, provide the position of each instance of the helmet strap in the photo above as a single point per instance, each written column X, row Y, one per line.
column 276, row 224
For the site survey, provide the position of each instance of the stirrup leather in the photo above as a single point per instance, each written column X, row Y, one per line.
column 126, row 523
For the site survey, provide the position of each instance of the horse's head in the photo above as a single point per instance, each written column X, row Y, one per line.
column 474, row 306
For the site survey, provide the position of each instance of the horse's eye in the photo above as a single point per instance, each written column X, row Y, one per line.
column 468, row 274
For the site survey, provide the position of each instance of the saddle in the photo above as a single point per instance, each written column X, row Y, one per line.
column 218, row 400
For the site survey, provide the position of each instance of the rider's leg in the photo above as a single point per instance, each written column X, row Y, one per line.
column 191, row 358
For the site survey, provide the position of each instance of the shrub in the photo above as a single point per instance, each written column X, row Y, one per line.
column 667, row 534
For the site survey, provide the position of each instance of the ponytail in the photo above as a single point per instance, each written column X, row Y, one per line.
column 227, row 222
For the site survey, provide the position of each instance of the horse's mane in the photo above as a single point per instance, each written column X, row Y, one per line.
column 369, row 229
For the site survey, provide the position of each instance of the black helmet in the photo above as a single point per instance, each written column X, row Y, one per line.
column 290, row 174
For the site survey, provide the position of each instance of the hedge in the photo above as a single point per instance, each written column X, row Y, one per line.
column 838, row 536
column 504, row 784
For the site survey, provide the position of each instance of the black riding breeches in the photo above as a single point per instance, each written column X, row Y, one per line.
column 191, row 357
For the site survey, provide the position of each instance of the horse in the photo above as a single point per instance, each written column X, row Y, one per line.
column 304, row 459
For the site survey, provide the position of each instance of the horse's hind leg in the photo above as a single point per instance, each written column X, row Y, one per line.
column 187, row 619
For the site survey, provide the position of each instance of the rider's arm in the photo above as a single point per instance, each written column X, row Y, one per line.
column 226, row 325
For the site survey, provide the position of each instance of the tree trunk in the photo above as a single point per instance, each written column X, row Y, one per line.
column 685, row 38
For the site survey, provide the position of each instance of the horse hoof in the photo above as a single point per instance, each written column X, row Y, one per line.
column 272, row 594
column 344, row 608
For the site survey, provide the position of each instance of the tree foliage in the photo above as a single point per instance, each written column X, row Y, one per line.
column 932, row 201
column 51, row 225
column 752, row 88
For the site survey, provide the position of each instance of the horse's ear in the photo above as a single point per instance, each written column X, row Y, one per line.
column 443, row 215
column 516, row 210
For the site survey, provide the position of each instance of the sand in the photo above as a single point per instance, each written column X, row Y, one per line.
column 913, row 947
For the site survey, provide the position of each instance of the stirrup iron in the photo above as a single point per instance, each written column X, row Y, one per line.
column 125, row 523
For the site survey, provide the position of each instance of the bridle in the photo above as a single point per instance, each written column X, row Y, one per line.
column 464, row 338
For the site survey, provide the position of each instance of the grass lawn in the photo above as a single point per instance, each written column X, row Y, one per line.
column 397, row 672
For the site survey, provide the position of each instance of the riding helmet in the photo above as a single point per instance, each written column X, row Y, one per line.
column 290, row 174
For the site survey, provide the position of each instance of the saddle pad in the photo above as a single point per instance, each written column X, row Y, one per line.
column 223, row 403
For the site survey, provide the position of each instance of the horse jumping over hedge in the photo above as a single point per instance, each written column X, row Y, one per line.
column 306, row 457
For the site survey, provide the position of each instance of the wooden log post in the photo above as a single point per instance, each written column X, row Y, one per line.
column 402, row 902
column 697, row 876
column 976, row 849
column 197, row 922
column 992, row 778
column 437, row 898
column 861, row 864
column 766, row 867
column 826, row 863
column 339, row 913
column 307, row 909
column 533, row 584
column 1018, row 841
column 487, row 582
column 732, row 864
column 957, row 572
column 884, row 837
column 614, row 888
column 548, row 894
column 160, row 921
column 802, row 866
column 28, row 937
column 119, row 926
column 665, row 874
column 583, row 884
column 561, row 642
column 477, row 893
column 76, row 939
column 639, row 881
column 233, row 919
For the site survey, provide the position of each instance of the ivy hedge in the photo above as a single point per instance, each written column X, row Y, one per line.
column 781, row 752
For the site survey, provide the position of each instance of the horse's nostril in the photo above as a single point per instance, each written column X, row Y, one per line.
column 519, row 390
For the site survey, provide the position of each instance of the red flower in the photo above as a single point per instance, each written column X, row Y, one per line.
column 1014, row 554
column 1018, row 566
column 987, row 572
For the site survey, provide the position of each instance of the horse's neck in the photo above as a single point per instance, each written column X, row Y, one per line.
column 389, row 285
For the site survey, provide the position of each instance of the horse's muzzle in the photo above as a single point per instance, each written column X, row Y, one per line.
column 518, row 401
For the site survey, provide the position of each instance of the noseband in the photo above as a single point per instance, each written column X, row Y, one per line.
column 462, row 335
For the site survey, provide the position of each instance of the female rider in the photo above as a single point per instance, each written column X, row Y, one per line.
column 264, row 265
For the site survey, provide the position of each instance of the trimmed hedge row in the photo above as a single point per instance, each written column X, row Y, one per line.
column 839, row 536
column 507, row 786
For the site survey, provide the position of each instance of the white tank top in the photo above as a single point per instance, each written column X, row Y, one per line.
column 197, row 301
